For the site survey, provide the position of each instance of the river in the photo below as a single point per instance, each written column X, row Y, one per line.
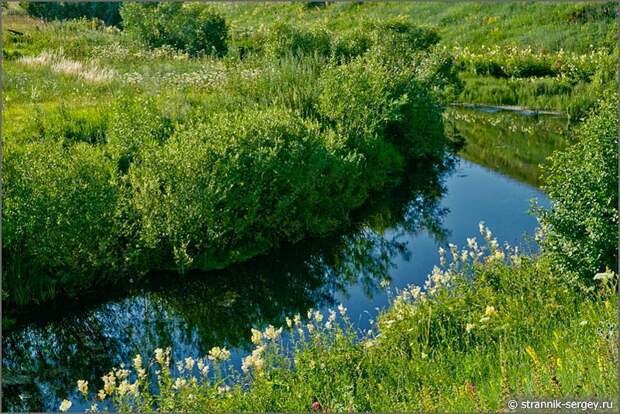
column 396, row 242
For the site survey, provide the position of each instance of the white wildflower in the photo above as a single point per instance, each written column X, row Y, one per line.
column 342, row 309
column 257, row 336
column 82, row 386
column 159, row 356
column 137, row 362
column 189, row 363
column 179, row 383
column 123, row 387
column 272, row 333
column 318, row 316
column 218, row 354
column 65, row 405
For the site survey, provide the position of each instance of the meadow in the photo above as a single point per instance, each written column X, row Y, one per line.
column 190, row 138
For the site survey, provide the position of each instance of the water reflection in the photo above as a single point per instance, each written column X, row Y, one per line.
column 509, row 142
column 47, row 350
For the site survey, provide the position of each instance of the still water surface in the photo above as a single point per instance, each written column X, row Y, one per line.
column 46, row 352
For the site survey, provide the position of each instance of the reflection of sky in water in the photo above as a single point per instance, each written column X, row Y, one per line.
column 115, row 331
column 473, row 194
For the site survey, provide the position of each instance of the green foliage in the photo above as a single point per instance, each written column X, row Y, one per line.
column 106, row 11
column 581, row 230
column 58, row 220
column 239, row 185
column 285, row 38
column 193, row 28
column 70, row 125
column 402, row 36
column 135, row 125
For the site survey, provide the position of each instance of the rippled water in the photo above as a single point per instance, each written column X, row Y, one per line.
column 397, row 239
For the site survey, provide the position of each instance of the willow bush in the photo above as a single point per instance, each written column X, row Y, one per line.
column 59, row 227
column 191, row 27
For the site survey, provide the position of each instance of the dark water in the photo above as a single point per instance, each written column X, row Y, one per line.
column 395, row 239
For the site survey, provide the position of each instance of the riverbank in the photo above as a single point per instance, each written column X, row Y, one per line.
column 224, row 160
column 489, row 327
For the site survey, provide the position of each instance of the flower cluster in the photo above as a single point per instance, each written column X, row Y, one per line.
column 462, row 263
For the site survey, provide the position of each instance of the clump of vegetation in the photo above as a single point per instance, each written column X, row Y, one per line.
column 108, row 12
column 580, row 231
column 193, row 28
column 488, row 326
column 59, row 229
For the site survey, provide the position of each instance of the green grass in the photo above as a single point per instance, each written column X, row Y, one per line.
column 542, row 26
column 543, row 29
column 491, row 326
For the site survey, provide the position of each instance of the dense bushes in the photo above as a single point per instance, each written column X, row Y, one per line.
column 284, row 38
column 58, row 220
column 193, row 28
column 396, row 38
column 257, row 177
column 106, row 11
column 581, row 230
column 282, row 148
column 135, row 124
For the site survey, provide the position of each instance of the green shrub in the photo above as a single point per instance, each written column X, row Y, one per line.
column 348, row 44
column 285, row 38
column 59, row 232
column 239, row 185
column 106, row 11
column 379, row 108
column 193, row 28
column 134, row 125
column 580, row 231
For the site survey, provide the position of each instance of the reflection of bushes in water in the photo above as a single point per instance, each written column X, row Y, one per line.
column 514, row 144
column 221, row 305
column 203, row 310
column 39, row 362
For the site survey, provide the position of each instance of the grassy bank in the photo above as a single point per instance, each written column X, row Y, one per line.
column 545, row 56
